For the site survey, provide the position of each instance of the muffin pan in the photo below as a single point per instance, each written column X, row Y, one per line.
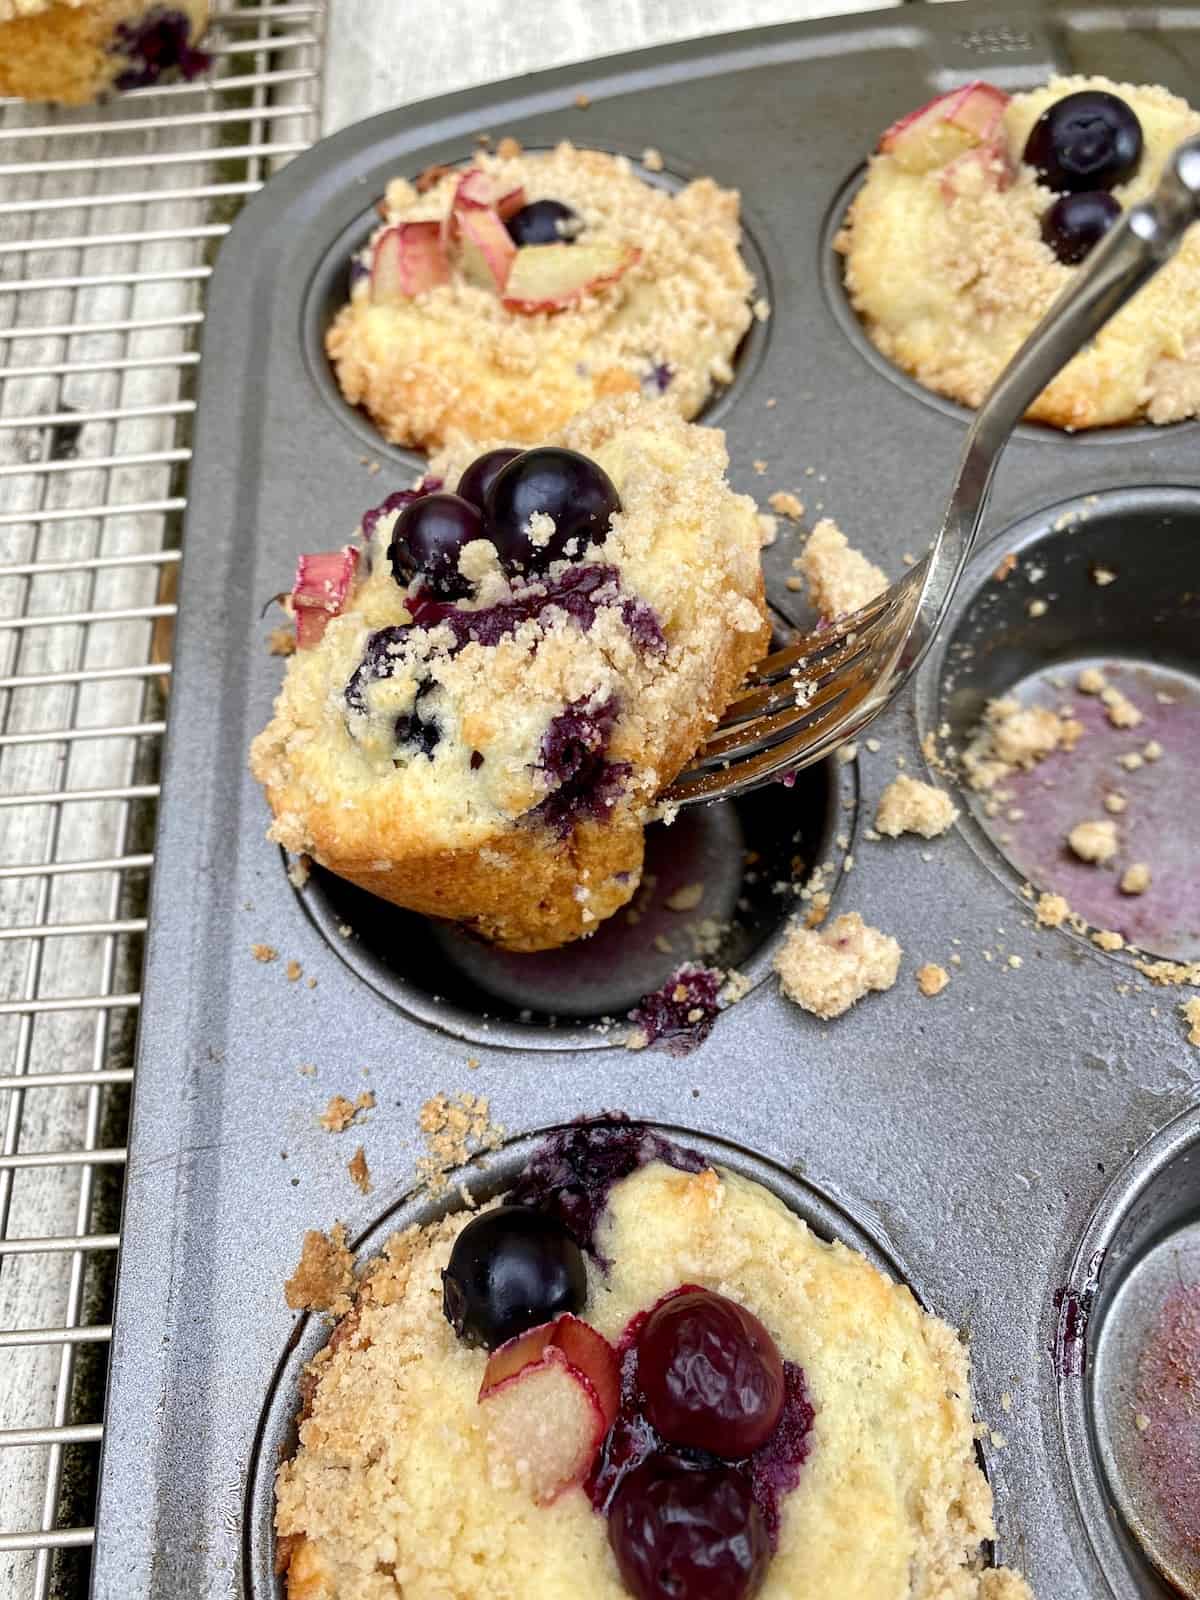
column 973, row 1138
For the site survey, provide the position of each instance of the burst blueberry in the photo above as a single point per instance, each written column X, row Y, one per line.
column 681, row 1532
column 711, row 1374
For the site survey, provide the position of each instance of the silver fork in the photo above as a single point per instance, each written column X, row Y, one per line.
column 823, row 688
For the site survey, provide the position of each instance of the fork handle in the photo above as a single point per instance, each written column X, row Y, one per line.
column 1143, row 241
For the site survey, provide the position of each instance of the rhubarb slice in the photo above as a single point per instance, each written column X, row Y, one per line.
column 945, row 128
column 487, row 250
column 481, row 190
column 549, row 1397
column 320, row 591
column 409, row 259
column 549, row 277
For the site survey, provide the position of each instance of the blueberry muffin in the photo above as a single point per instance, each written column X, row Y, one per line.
column 501, row 299
column 483, row 707
column 637, row 1375
column 74, row 51
column 976, row 213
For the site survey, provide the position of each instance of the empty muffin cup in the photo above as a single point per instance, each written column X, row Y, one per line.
column 1084, row 613
column 1129, row 1359
column 718, row 887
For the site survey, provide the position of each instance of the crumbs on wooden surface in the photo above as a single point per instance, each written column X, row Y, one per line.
column 454, row 1129
column 324, row 1276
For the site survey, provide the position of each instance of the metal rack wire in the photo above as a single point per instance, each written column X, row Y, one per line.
column 109, row 222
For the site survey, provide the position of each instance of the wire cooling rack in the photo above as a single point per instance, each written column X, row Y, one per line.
column 109, row 222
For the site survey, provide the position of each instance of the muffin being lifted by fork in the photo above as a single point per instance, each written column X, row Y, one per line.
column 486, row 700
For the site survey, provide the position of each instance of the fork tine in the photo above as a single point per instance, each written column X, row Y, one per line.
column 744, row 757
column 823, row 639
column 805, row 747
column 782, row 691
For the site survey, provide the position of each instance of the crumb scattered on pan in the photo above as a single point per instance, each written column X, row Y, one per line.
column 760, row 467
column 508, row 148
column 1006, row 568
column 1107, row 939
column 932, row 979
column 1091, row 681
column 264, row 952
column 454, row 1130
column 340, row 1112
column 582, row 102
column 324, row 1276
column 1037, row 608
column 786, row 504
column 768, row 531
column 652, row 159
column 307, row 1069
column 909, row 806
column 294, row 972
column 1051, row 910
column 1094, row 840
column 1152, row 750
column 687, row 898
column 840, row 578
column 1115, row 802
column 826, row 972
column 1135, row 879
column 1120, row 709
column 762, row 310
column 1165, row 973
column 281, row 642
column 1103, row 576
column 359, row 1171
column 1132, row 760
column 298, row 871
column 1191, row 1015
column 1011, row 737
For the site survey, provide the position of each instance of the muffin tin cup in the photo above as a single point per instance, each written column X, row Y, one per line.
column 971, row 1137
column 484, row 1179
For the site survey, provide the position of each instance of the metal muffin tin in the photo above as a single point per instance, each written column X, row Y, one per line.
column 1016, row 1148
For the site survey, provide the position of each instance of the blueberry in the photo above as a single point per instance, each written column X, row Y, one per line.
column 711, row 1374
column 1076, row 223
column 577, row 495
column 1089, row 140
column 482, row 473
column 428, row 539
column 544, row 222
column 511, row 1269
column 685, row 1533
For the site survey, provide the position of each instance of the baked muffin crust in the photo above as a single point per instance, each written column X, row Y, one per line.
column 458, row 834
column 949, row 276
column 455, row 358
column 392, row 1489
